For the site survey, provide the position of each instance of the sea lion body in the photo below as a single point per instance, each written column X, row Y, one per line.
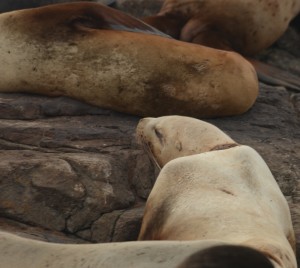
column 16, row 252
column 228, row 195
column 142, row 254
column 71, row 50
column 246, row 26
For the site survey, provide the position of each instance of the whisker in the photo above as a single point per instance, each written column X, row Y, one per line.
column 147, row 149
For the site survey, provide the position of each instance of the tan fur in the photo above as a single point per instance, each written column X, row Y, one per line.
column 229, row 195
column 169, row 137
column 17, row 252
column 63, row 50
column 246, row 26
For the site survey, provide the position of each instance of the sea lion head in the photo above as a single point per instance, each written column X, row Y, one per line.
column 169, row 137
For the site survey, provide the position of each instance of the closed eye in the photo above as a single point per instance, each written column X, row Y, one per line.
column 159, row 135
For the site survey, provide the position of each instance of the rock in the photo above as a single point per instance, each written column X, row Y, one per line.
column 296, row 101
column 130, row 221
column 121, row 225
column 38, row 233
column 285, row 53
column 40, row 107
column 65, row 172
column 288, row 40
column 103, row 228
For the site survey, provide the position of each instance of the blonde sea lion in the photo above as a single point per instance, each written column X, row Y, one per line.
column 85, row 51
column 16, row 252
column 227, row 195
column 246, row 26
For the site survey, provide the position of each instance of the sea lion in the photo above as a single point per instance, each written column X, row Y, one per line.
column 245, row 26
column 227, row 195
column 85, row 51
column 16, row 252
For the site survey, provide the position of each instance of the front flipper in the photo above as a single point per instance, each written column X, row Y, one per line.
column 97, row 16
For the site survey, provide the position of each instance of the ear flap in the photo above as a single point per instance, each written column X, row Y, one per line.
column 97, row 16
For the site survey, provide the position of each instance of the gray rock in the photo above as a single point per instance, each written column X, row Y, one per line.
column 119, row 225
column 65, row 172
column 130, row 221
column 38, row 233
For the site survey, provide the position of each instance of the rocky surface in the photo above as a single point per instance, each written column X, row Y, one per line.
column 70, row 167
column 73, row 173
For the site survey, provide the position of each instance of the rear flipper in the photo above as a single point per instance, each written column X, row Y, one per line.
column 274, row 76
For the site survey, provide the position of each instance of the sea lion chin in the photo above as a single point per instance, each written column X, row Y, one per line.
column 106, row 58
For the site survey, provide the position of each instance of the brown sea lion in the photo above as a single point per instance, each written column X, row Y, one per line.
column 246, row 26
column 243, row 26
column 104, row 57
column 224, row 194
